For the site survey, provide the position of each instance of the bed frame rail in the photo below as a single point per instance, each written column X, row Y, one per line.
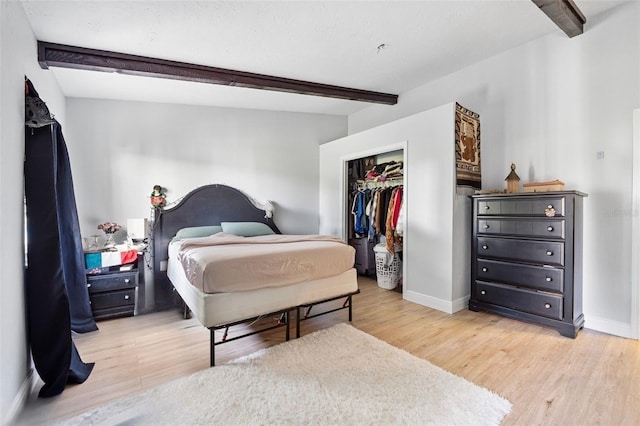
column 346, row 305
column 283, row 321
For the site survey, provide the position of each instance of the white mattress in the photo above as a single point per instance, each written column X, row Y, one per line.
column 222, row 308
column 223, row 263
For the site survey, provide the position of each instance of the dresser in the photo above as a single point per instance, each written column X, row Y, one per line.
column 113, row 294
column 527, row 258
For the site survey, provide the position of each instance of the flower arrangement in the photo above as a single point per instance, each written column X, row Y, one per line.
column 109, row 227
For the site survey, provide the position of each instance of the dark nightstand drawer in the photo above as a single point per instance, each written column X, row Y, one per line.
column 109, row 282
column 111, row 299
column 543, row 304
column 113, row 294
column 552, row 228
column 536, row 277
column 543, row 252
column 525, row 206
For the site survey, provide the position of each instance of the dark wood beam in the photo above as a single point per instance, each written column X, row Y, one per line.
column 565, row 14
column 59, row 55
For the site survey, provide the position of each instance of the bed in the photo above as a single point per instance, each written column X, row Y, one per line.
column 235, row 299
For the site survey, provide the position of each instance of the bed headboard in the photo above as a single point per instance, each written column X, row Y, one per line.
column 206, row 205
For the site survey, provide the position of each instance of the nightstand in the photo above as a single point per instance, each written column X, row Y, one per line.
column 113, row 293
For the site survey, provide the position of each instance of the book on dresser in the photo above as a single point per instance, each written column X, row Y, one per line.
column 527, row 258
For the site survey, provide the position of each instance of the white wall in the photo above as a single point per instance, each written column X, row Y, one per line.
column 120, row 149
column 18, row 58
column 432, row 275
column 635, row 226
column 549, row 106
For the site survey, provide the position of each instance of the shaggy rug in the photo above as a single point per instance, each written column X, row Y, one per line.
column 335, row 376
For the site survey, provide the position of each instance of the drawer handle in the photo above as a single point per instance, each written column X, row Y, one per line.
column 483, row 292
column 485, row 247
column 487, row 207
column 550, row 211
column 484, row 269
column 88, row 285
column 547, row 305
column 548, row 279
column 127, row 280
column 486, row 227
column 550, row 228
column 126, row 297
column 549, row 253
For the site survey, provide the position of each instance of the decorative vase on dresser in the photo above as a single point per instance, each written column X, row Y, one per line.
column 527, row 258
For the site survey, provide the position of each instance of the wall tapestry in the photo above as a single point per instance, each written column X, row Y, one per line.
column 467, row 148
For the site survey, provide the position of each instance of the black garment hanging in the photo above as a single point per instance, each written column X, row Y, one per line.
column 56, row 291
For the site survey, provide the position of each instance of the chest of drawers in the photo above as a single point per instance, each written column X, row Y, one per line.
column 113, row 294
column 527, row 258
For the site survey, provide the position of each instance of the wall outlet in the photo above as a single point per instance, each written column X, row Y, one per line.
column 600, row 155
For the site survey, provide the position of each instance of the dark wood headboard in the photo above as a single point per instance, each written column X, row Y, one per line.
column 206, row 205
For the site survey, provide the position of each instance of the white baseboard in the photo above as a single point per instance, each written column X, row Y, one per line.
column 435, row 303
column 20, row 400
column 461, row 304
column 604, row 325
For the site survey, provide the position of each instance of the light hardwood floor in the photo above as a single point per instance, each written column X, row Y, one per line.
column 550, row 379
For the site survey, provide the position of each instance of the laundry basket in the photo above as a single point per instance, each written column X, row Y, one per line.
column 387, row 272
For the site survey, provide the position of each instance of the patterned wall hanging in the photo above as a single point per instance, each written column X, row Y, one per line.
column 467, row 148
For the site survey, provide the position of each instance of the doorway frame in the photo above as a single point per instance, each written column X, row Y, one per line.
column 399, row 146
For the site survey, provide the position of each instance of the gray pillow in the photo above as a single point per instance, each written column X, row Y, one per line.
column 246, row 229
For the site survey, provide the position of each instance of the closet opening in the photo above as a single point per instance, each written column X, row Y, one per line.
column 375, row 214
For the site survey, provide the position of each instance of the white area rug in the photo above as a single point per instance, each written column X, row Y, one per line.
column 335, row 376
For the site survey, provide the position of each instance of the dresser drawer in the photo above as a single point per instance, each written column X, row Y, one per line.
column 109, row 282
column 535, row 277
column 551, row 228
column 525, row 206
column 543, row 252
column 113, row 299
column 537, row 303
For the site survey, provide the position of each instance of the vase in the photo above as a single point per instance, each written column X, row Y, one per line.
column 109, row 243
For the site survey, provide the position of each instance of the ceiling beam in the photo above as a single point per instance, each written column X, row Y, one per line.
column 59, row 55
column 565, row 14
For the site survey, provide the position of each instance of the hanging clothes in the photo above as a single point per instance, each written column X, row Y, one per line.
column 400, row 220
column 56, row 291
column 359, row 211
column 391, row 238
column 371, row 212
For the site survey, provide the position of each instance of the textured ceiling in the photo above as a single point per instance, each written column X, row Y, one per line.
column 332, row 42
